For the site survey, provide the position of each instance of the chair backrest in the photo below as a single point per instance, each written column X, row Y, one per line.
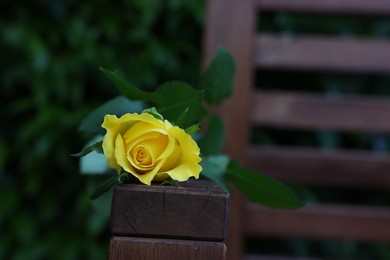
column 233, row 25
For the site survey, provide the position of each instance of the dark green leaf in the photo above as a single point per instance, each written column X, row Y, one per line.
column 212, row 141
column 153, row 111
column 167, row 182
column 261, row 189
column 214, row 167
column 117, row 106
column 129, row 90
column 178, row 97
column 124, row 177
column 192, row 129
column 106, row 186
column 94, row 147
column 181, row 121
column 217, row 80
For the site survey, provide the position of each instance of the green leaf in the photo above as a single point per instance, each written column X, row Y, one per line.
column 214, row 167
column 217, row 80
column 192, row 129
column 153, row 111
column 106, row 186
column 94, row 147
column 117, row 106
column 129, row 90
column 212, row 141
column 182, row 118
column 179, row 96
column 261, row 189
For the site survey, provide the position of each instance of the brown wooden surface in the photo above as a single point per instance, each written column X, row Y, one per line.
column 277, row 257
column 124, row 248
column 322, row 53
column 194, row 210
column 230, row 24
column 361, row 7
column 316, row 111
column 325, row 168
column 321, row 221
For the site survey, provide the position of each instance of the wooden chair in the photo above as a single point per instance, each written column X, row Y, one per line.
column 232, row 24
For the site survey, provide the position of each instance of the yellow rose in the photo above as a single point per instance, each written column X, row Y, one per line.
column 149, row 148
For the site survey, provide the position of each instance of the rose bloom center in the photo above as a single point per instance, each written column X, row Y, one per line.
column 142, row 156
column 145, row 151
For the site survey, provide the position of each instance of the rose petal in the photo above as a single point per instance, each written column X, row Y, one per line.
column 140, row 129
column 110, row 125
column 172, row 159
column 148, row 177
column 156, row 146
column 121, row 155
column 153, row 142
column 141, row 157
column 115, row 126
column 141, row 166
column 169, row 148
column 190, row 149
column 184, row 171
column 188, row 164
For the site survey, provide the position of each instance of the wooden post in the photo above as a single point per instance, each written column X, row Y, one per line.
column 231, row 24
column 188, row 221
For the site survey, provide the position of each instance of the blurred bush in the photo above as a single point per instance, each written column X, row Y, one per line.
column 49, row 80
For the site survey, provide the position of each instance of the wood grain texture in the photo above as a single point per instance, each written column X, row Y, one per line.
column 321, row 221
column 194, row 210
column 322, row 168
column 322, row 53
column 316, row 111
column 359, row 7
column 124, row 248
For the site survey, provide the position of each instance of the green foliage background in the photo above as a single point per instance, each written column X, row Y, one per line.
column 49, row 80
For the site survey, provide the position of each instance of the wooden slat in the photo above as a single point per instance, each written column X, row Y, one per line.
column 313, row 166
column 325, row 221
column 125, row 248
column 360, row 7
column 322, row 54
column 277, row 257
column 315, row 111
